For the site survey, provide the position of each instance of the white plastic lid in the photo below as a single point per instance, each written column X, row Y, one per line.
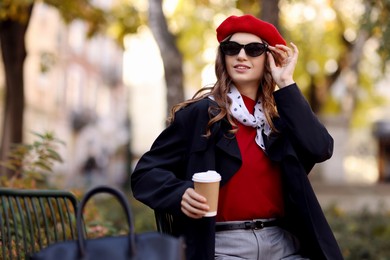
column 209, row 176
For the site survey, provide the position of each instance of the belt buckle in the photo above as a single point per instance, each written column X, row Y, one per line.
column 254, row 224
column 250, row 225
column 258, row 224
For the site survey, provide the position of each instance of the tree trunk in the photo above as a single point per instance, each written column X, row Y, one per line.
column 269, row 11
column 172, row 58
column 13, row 50
column 349, row 74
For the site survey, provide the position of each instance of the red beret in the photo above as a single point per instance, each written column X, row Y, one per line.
column 249, row 24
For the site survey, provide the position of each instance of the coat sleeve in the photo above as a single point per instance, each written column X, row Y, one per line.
column 158, row 179
column 307, row 134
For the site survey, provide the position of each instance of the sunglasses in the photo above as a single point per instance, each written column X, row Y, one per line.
column 253, row 49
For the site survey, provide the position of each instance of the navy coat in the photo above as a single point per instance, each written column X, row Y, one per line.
column 164, row 173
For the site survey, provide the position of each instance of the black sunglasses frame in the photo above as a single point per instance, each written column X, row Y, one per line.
column 253, row 49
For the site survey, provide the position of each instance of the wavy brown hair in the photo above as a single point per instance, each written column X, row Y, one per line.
column 220, row 90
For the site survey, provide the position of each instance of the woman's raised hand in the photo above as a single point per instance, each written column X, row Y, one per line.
column 283, row 73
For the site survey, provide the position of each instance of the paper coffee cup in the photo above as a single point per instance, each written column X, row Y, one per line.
column 207, row 185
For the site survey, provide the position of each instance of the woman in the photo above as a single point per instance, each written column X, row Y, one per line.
column 262, row 139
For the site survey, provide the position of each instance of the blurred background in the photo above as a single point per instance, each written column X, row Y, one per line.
column 86, row 86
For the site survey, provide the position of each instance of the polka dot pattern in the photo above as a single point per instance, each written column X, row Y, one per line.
column 241, row 113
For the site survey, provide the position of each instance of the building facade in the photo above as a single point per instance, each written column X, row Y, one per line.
column 74, row 88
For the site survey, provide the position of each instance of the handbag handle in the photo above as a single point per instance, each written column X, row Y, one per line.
column 123, row 201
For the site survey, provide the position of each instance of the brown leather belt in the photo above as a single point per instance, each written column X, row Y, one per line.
column 256, row 224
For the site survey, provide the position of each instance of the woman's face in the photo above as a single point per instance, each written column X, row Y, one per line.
column 244, row 70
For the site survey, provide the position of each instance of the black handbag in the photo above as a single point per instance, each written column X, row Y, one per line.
column 144, row 246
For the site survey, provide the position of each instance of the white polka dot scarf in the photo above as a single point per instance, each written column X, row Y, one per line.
column 241, row 113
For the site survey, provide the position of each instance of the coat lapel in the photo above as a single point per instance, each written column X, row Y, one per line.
column 274, row 142
column 229, row 146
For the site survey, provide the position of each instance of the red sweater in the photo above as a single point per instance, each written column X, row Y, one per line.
column 255, row 191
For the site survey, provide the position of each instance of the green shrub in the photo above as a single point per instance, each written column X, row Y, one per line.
column 105, row 216
column 31, row 163
column 361, row 235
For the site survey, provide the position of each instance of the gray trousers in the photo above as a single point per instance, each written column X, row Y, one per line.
column 270, row 243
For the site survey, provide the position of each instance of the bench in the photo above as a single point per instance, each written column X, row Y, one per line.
column 32, row 219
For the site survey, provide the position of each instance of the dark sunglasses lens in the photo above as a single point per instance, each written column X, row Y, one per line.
column 230, row 48
column 255, row 49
